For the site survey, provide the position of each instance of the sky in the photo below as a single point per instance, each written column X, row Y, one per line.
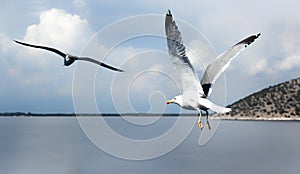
column 129, row 34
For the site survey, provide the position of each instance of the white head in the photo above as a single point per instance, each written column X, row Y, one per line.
column 177, row 100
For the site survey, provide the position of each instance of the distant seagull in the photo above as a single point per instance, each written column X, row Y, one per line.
column 195, row 93
column 70, row 59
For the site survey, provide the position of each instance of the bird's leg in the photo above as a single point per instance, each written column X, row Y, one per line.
column 199, row 120
column 207, row 122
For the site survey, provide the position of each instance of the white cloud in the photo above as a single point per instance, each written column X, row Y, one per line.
column 260, row 66
column 59, row 29
column 37, row 68
column 56, row 28
column 289, row 62
column 290, row 43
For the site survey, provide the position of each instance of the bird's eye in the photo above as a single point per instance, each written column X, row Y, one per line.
column 175, row 98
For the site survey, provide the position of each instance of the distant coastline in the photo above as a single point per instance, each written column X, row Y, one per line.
column 250, row 118
column 212, row 117
column 30, row 114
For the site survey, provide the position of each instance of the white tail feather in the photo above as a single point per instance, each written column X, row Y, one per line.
column 210, row 105
column 219, row 109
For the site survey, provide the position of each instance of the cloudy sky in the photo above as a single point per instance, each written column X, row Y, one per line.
column 34, row 80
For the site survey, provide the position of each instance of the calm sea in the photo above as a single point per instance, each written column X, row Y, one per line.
column 58, row 145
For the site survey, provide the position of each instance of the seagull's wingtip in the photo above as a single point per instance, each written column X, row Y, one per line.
column 258, row 34
column 249, row 39
column 169, row 13
column 119, row 70
column 18, row 42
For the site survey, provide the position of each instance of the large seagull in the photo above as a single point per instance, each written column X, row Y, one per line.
column 195, row 92
column 70, row 59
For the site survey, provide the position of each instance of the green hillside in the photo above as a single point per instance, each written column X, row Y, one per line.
column 280, row 101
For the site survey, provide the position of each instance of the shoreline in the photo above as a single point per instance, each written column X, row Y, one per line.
column 112, row 115
column 257, row 119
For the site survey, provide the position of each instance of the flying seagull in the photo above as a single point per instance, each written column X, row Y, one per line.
column 195, row 92
column 70, row 59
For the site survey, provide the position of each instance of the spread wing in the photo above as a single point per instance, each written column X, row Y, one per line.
column 221, row 63
column 189, row 78
column 74, row 57
column 99, row 63
column 43, row 47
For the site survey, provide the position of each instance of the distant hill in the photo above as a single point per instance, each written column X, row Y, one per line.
column 278, row 102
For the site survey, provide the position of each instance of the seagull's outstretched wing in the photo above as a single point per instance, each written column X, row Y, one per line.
column 99, row 63
column 221, row 63
column 73, row 57
column 43, row 47
column 189, row 79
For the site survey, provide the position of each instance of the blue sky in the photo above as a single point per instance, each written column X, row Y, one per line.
column 35, row 81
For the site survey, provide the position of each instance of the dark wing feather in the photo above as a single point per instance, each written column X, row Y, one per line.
column 221, row 63
column 188, row 76
column 100, row 63
column 43, row 47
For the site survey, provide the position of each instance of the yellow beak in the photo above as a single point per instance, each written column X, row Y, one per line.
column 169, row 102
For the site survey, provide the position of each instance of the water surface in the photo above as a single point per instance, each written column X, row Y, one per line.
column 58, row 145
